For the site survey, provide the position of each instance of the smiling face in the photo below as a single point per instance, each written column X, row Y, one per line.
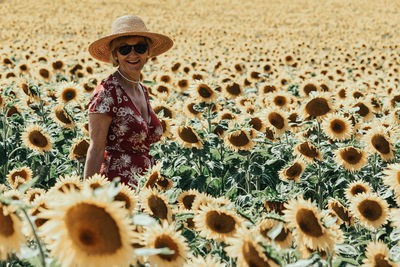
column 132, row 63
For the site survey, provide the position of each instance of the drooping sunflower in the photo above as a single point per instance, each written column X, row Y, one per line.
column 155, row 204
column 208, row 261
column 283, row 240
column 94, row 230
column 317, row 107
column 247, row 251
column 355, row 188
column 68, row 92
column 126, row 195
column 377, row 254
column 36, row 139
column 95, row 181
column 217, row 223
column 351, row 158
column 79, row 149
column 371, row 210
column 238, row 140
column 166, row 236
column 308, row 228
column 166, row 125
column 337, row 127
column 379, row 142
column 391, row 177
column 19, row 176
column 293, row 171
column 307, row 151
column 341, row 212
column 277, row 120
column 11, row 237
column 61, row 117
column 188, row 137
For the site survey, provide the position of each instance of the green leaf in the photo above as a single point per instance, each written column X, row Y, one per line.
column 394, row 253
column 346, row 249
column 395, row 235
column 301, row 263
column 332, row 220
column 153, row 251
column 144, row 220
column 350, row 262
column 275, row 231
column 22, row 189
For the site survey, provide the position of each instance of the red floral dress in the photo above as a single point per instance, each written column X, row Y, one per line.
column 129, row 136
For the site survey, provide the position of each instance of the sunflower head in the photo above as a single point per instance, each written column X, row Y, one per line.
column 370, row 210
column 188, row 137
column 79, row 149
column 317, row 107
column 61, row 117
column 308, row 152
column 96, row 181
column 68, row 92
column 186, row 199
column 355, row 188
column 293, row 171
column 156, row 204
column 337, row 127
column 18, row 176
column 34, row 138
column 238, row 140
column 377, row 254
column 351, row 158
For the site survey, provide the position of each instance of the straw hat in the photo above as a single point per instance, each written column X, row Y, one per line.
column 126, row 26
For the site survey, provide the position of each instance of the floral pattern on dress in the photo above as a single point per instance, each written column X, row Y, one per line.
column 129, row 136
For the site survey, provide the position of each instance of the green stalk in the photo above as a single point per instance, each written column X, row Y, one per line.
column 42, row 256
column 248, row 177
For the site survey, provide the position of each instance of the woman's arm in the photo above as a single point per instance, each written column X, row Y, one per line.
column 98, row 130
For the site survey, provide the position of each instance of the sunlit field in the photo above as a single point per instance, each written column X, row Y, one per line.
column 280, row 146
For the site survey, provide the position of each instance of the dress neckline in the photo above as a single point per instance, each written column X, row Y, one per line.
column 133, row 104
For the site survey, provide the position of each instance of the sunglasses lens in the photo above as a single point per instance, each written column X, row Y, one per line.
column 124, row 50
column 140, row 48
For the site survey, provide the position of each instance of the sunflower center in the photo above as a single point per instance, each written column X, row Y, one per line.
column 276, row 120
column 370, row 209
column 281, row 237
column 191, row 109
column 252, row 257
column 269, row 134
column 62, row 116
column 44, row 73
column 381, row 261
column 294, row 170
column 188, row 201
column 308, row 88
column 22, row 173
column 123, row 197
column 381, row 144
column 188, row 135
column 38, row 139
column 227, row 116
column 220, row 222
column 6, row 224
column 363, row 109
column 234, row 89
column 308, row 223
column 164, row 241
column 163, row 182
column 342, row 93
column 166, row 111
column 280, row 101
column 162, row 89
column 358, row 189
column 395, row 100
column 317, row 107
column 81, row 148
column 351, row 155
column 204, row 91
column 158, row 207
column 256, row 123
column 341, row 212
column 338, row 126
column 239, row 140
column 69, row 94
column 92, row 229
column 308, row 150
column 151, row 182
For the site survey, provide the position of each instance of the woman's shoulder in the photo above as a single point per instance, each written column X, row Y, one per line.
column 107, row 84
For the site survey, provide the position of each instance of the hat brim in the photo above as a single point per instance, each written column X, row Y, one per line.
column 100, row 49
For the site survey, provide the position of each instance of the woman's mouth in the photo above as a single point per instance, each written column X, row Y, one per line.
column 133, row 62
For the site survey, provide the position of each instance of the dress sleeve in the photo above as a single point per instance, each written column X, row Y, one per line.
column 103, row 101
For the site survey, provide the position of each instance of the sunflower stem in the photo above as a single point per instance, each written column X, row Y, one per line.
column 34, row 230
column 248, row 176
column 47, row 162
column 4, row 135
column 319, row 187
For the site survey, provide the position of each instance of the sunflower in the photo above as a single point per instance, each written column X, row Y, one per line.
column 309, row 230
column 34, row 138
column 153, row 175
column 257, row 122
column 183, row 84
column 371, row 210
column 307, row 151
column 377, row 254
column 307, row 87
column 164, row 108
column 391, row 177
column 337, row 127
column 208, row 261
column 204, row 92
column 247, row 251
column 39, row 205
column 166, row 125
column 95, row 181
column 277, row 120
column 293, row 171
column 379, row 142
column 275, row 205
column 317, row 107
column 189, row 109
column 283, row 240
column 270, row 134
column 155, row 204
column 61, row 117
column 79, row 149
column 305, row 251
column 232, row 90
column 200, row 201
column 238, row 140
column 364, row 110
column 68, row 92
column 186, row 199
column 94, row 231
column 188, row 137
column 164, row 183
column 22, row 174
column 340, row 211
column 355, row 188
column 351, row 158
column 217, row 223
column 66, row 184
column 11, row 237
column 280, row 100
column 165, row 236
column 34, row 193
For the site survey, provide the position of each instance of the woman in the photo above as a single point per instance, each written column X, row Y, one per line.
column 122, row 124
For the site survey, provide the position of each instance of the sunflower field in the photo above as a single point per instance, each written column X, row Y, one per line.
column 280, row 146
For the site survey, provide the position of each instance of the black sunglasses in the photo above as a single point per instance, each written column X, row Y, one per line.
column 126, row 49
